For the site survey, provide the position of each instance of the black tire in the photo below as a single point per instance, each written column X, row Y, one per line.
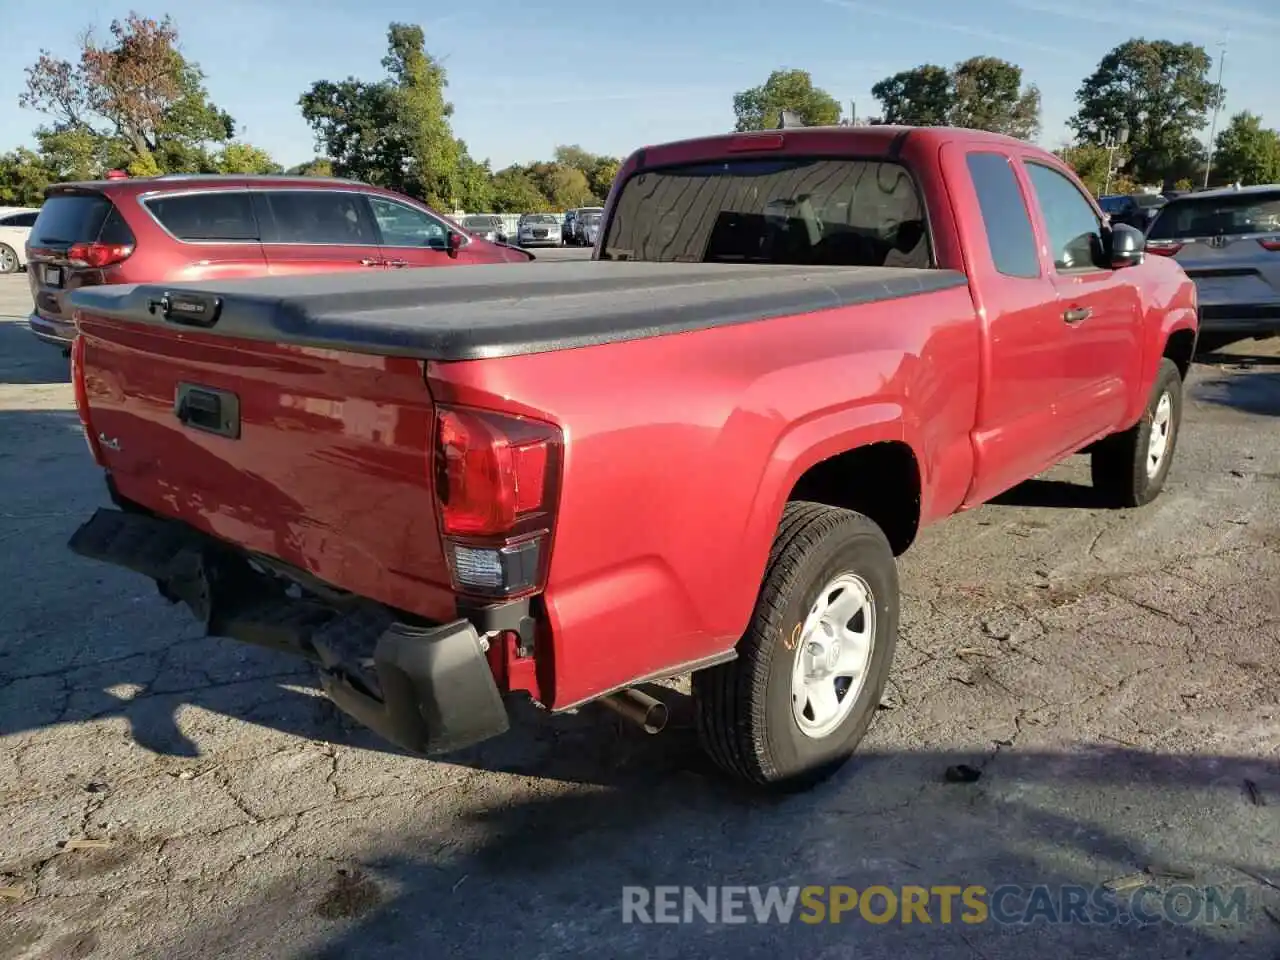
column 1119, row 463
column 744, row 708
column 8, row 259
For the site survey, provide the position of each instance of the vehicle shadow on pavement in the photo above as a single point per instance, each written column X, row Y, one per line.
column 1059, row 494
column 544, row 875
column 23, row 360
column 1255, row 392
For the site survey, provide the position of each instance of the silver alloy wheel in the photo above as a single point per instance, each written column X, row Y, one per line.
column 833, row 655
column 1161, row 434
column 8, row 260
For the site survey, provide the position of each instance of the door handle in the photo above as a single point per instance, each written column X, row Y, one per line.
column 368, row 262
column 396, row 263
column 1076, row 315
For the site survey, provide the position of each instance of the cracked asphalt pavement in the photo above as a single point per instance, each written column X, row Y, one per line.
column 1111, row 675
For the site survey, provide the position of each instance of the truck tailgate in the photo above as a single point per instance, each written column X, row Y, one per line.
column 314, row 456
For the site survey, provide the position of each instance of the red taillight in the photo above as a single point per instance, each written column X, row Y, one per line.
column 1271, row 243
column 1163, row 248
column 497, row 480
column 756, row 141
column 98, row 254
column 82, row 398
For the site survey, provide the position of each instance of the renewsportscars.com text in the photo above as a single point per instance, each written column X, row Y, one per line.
column 1008, row 904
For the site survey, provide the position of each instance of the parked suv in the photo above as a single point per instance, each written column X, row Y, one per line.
column 15, row 226
column 187, row 228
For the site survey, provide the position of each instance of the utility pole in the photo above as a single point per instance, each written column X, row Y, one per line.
column 1217, row 105
column 1114, row 140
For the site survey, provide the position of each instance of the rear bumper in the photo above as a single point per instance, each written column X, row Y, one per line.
column 1240, row 317
column 426, row 688
column 56, row 332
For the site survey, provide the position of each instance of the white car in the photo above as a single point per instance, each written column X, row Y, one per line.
column 15, row 228
column 539, row 229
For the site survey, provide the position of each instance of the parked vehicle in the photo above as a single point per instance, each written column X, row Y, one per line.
column 184, row 228
column 1228, row 242
column 589, row 227
column 578, row 234
column 15, row 227
column 538, row 230
column 701, row 456
column 1135, row 209
column 486, row 226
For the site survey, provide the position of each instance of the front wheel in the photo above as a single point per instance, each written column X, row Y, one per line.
column 1129, row 469
column 812, row 666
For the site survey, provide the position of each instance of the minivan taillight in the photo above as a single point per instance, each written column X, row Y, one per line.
column 82, row 398
column 98, row 254
column 1163, row 248
column 497, row 480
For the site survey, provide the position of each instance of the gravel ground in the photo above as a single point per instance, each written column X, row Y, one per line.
column 1112, row 675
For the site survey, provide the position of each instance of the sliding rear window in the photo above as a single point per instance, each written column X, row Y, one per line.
column 1241, row 214
column 788, row 210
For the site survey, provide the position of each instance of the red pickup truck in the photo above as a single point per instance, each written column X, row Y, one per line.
column 698, row 452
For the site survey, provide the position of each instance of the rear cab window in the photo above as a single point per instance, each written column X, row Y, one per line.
column 217, row 215
column 793, row 210
column 1010, row 236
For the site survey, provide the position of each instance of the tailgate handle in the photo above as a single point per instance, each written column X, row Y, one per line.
column 207, row 409
column 189, row 309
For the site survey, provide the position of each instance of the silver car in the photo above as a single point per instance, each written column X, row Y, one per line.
column 538, row 230
column 589, row 227
column 486, row 226
column 1228, row 242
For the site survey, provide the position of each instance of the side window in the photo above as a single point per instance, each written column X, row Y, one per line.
column 1004, row 214
column 405, row 226
column 1075, row 233
column 19, row 220
column 319, row 216
column 194, row 217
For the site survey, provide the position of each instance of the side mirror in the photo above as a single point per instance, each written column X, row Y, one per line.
column 1126, row 246
column 454, row 242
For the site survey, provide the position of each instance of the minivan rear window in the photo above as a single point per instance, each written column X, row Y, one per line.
column 1235, row 214
column 68, row 218
column 219, row 215
column 793, row 210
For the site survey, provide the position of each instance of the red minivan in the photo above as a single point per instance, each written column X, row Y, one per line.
column 204, row 227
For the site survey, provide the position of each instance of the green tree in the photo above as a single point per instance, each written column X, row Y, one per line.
column 422, row 115
column 23, row 177
column 514, row 191
column 987, row 94
column 761, row 107
column 602, row 176
column 244, row 158
column 1089, row 161
column 1246, row 152
column 315, row 167
column 475, row 182
column 1161, row 92
column 394, row 132
column 564, row 187
column 134, row 96
column 921, row 96
column 355, row 126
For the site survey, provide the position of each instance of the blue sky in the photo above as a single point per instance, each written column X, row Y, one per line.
column 611, row 76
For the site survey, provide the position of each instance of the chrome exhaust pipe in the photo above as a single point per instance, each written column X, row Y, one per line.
column 638, row 707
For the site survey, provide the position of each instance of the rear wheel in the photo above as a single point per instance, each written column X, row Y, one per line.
column 1130, row 468
column 8, row 259
column 812, row 666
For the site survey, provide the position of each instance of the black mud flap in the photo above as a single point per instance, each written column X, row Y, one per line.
column 427, row 689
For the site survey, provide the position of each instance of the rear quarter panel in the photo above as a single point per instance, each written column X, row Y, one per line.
column 681, row 450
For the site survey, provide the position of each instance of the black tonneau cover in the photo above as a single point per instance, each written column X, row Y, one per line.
column 497, row 310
